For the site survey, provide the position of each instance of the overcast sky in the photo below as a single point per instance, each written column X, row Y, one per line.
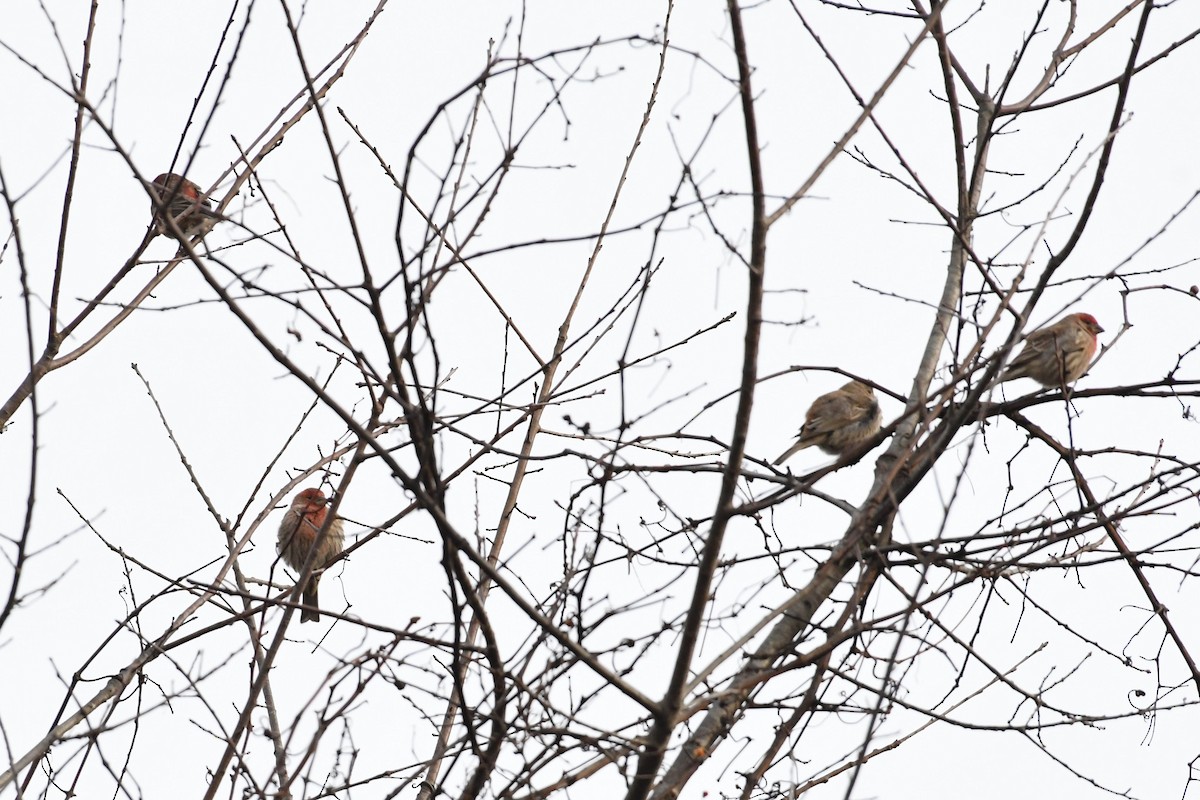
column 854, row 274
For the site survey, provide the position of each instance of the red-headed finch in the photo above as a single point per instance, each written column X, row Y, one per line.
column 298, row 534
column 184, row 201
column 839, row 421
column 1057, row 354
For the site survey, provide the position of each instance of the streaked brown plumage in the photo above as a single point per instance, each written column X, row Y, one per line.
column 298, row 533
column 186, row 204
column 1058, row 354
column 839, row 421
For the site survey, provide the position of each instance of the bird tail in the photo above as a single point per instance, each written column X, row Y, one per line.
column 791, row 451
column 1011, row 372
column 309, row 613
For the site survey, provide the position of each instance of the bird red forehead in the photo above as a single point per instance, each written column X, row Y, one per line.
column 311, row 497
column 1088, row 318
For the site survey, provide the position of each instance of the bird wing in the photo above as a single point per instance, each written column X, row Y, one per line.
column 287, row 528
column 813, row 431
column 832, row 412
column 1048, row 340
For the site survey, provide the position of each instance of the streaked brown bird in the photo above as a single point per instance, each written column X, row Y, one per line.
column 298, row 534
column 839, row 421
column 1057, row 354
column 184, row 202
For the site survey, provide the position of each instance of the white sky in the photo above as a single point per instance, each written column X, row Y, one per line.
column 232, row 407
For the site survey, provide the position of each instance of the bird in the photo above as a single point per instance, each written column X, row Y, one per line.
column 1058, row 354
column 298, row 534
column 184, row 201
column 839, row 421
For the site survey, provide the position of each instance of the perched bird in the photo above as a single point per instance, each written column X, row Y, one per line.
column 839, row 421
column 184, row 202
column 298, row 534
column 1057, row 354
